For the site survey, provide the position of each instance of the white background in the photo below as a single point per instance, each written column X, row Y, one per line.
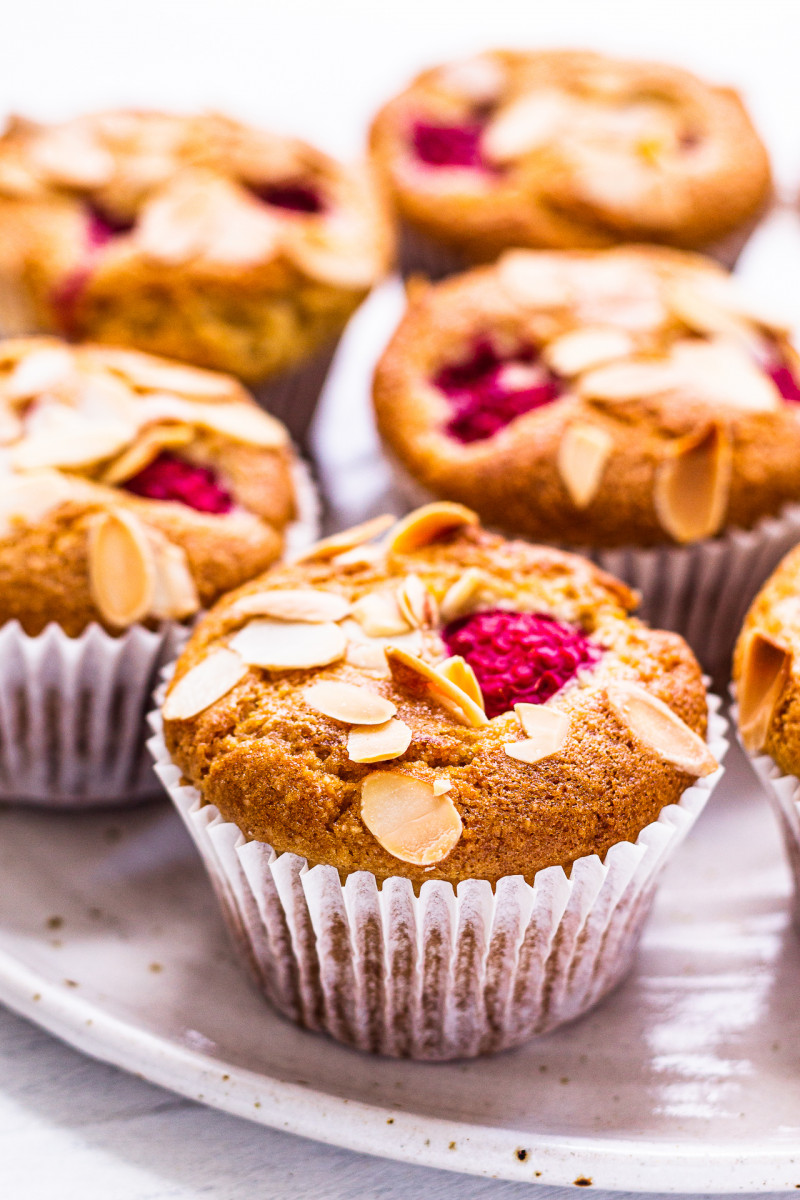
column 70, row 1128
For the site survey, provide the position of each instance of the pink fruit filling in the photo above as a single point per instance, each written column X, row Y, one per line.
column 101, row 227
column 782, row 374
column 487, row 392
column 448, row 145
column 171, row 478
column 519, row 657
column 297, row 197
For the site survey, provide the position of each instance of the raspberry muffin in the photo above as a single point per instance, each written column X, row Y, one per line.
column 565, row 149
column 196, row 237
column 441, row 710
column 766, row 677
column 133, row 492
column 624, row 398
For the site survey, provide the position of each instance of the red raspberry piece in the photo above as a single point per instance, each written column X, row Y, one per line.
column 448, row 145
column 297, row 197
column 485, row 395
column 101, row 227
column 171, row 478
column 519, row 657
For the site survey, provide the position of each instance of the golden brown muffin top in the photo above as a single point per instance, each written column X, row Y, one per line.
column 107, row 217
column 766, row 668
column 569, row 149
column 601, row 398
column 131, row 488
column 443, row 704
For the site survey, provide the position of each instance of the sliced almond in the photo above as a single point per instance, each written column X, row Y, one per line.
column 416, row 603
column 528, row 123
column 535, row 279
column 632, row 380
column 442, row 784
column 288, row 646
column 692, row 485
column 765, row 672
column 408, row 819
column 368, row 656
column 459, row 672
column 583, row 349
column 38, row 372
column 344, row 265
column 348, row 539
column 379, row 615
column 70, row 154
column 378, row 743
column 294, row 604
column 203, row 685
column 583, row 453
column 122, row 573
column 149, row 444
column 427, row 524
column 425, row 682
column 159, row 375
column 480, row 79
column 464, row 595
column 546, row 729
column 724, row 374
column 61, row 437
column 27, row 498
column 349, row 703
column 660, row 729
column 241, row 422
column 175, row 595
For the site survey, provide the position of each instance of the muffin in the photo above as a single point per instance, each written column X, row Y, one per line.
column 766, row 676
column 133, row 492
column 624, row 401
column 434, row 779
column 565, row 149
column 197, row 238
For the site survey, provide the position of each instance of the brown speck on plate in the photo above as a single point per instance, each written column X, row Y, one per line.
column 70, row 983
column 521, row 1155
column 583, row 1181
column 155, row 968
column 452, row 1146
column 54, row 922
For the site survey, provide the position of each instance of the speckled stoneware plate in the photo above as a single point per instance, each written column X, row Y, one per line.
column 686, row 1080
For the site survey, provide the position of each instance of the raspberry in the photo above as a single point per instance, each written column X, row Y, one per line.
column 171, row 478
column 298, row 197
column 101, row 227
column 519, row 657
column 785, row 381
column 488, row 392
column 448, row 145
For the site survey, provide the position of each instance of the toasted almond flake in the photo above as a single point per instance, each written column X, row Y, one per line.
column 407, row 819
column 175, row 595
column 427, row 524
column 633, row 380
column 288, row 646
column 527, row 123
column 583, row 453
column 425, row 682
column 546, row 729
column 534, row 278
column 368, row 656
column 583, row 349
column 379, row 615
column 122, row 570
column 342, row 266
column 294, row 604
column 203, row 685
column 724, row 374
column 692, row 485
column 348, row 539
column 176, row 225
column 378, row 743
column 480, row 79
column 416, row 603
column 660, row 729
column 159, row 375
column 241, row 422
column 698, row 307
column 464, row 595
column 38, row 372
column 69, row 154
column 28, row 498
column 349, row 703
column 766, row 665
column 149, row 444
column 442, row 784
column 61, row 437
column 459, row 672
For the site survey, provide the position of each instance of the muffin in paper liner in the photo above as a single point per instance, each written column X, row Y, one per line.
column 73, row 709
column 701, row 591
column 448, row 973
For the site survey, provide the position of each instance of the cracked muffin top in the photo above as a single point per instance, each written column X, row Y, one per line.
column 438, row 704
column 131, row 488
column 194, row 237
column 594, row 398
column 564, row 149
column 766, row 668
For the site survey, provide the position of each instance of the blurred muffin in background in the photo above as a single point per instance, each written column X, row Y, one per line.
column 625, row 401
column 195, row 237
column 563, row 149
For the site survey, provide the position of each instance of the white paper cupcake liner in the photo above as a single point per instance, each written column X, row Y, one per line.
column 292, row 396
column 304, row 530
column 448, row 973
column 702, row 591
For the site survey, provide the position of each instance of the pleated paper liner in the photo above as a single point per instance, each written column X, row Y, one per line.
column 450, row 972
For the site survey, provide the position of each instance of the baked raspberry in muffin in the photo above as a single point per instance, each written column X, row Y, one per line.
column 197, row 237
column 444, row 705
column 132, row 488
column 565, row 149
